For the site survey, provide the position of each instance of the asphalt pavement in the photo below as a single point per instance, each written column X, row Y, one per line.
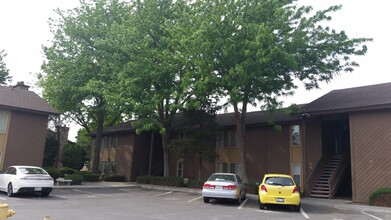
column 343, row 204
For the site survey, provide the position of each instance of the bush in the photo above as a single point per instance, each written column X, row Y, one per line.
column 66, row 170
column 380, row 197
column 77, row 179
column 161, row 180
column 90, row 177
column 53, row 172
column 197, row 184
column 114, row 178
column 73, row 156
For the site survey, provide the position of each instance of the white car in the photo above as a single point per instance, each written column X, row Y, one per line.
column 224, row 186
column 26, row 179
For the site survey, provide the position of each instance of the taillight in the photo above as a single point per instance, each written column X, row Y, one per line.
column 296, row 190
column 208, row 186
column 229, row 187
column 263, row 188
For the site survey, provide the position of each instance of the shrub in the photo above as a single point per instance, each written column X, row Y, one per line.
column 381, row 197
column 66, row 170
column 73, row 156
column 90, row 177
column 197, row 184
column 77, row 179
column 114, row 178
column 53, row 172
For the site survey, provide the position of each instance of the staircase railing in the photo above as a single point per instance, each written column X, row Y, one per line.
column 311, row 180
column 336, row 177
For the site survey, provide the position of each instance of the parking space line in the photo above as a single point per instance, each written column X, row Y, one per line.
column 303, row 213
column 241, row 205
column 62, row 197
column 371, row 215
column 86, row 192
column 192, row 200
column 166, row 193
column 3, row 198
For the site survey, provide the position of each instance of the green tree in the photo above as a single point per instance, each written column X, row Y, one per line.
column 73, row 156
column 196, row 132
column 51, row 148
column 256, row 51
column 82, row 62
column 4, row 71
column 154, row 82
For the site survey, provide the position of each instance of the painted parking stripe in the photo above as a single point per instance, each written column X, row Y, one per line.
column 241, row 205
column 303, row 213
column 192, row 200
column 166, row 193
column 371, row 215
column 3, row 198
column 86, row 192
column 62, row 197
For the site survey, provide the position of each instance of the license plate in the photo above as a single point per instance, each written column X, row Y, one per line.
column 279, row 199
column 219, row 187
column 38, row 189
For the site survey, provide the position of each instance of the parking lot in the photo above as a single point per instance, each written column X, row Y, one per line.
column 141, row 203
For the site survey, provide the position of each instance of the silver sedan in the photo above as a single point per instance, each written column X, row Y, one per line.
column 224, row 186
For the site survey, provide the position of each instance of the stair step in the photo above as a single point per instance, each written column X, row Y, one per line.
column 319, row 196
column 321, row 188
column 320, row 192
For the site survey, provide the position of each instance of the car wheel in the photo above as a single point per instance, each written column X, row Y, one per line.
column 206, row 200
column 244, row 196
column 261, row 205
column 10, row 189
column 45, row 194
column 239, row 200
column 297, row 208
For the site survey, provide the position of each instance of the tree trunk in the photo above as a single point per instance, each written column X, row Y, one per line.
column 98, row 138
column 240, row 120
column 151, row 153
column 166, row 157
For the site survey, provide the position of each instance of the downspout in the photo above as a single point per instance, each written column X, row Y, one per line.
column 304, row 116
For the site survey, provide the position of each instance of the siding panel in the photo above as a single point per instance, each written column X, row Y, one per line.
column 370, row 152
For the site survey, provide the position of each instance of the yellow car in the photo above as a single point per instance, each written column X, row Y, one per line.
column 279, row 189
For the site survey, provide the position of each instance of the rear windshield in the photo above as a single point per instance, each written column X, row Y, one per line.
column 29, row 170
column 222, row 177
column 279, row 181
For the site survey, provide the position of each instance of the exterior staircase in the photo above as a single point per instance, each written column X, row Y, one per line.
column 328, row 181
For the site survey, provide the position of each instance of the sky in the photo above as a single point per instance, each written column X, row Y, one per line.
column 24, row 29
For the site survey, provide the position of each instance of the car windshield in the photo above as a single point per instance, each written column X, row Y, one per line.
column 280, row 181
column 31, row 170
column 222, row 178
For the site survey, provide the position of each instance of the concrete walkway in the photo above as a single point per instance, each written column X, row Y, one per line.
column 342, row 204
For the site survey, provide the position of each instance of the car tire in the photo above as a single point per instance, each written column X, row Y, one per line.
column 206, row 200
column 239, row 200
column 10, row 190
column 261, row 205
column 45, row 194
column 296, row 208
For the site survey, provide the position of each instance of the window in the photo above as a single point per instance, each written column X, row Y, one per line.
column 109, row 141
column 180, row 168
column 3, row 121
column 235, row 168
column 227, row 138
column 296, row 173
column 107, row 167
column 222, row 167
column 296, row 135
